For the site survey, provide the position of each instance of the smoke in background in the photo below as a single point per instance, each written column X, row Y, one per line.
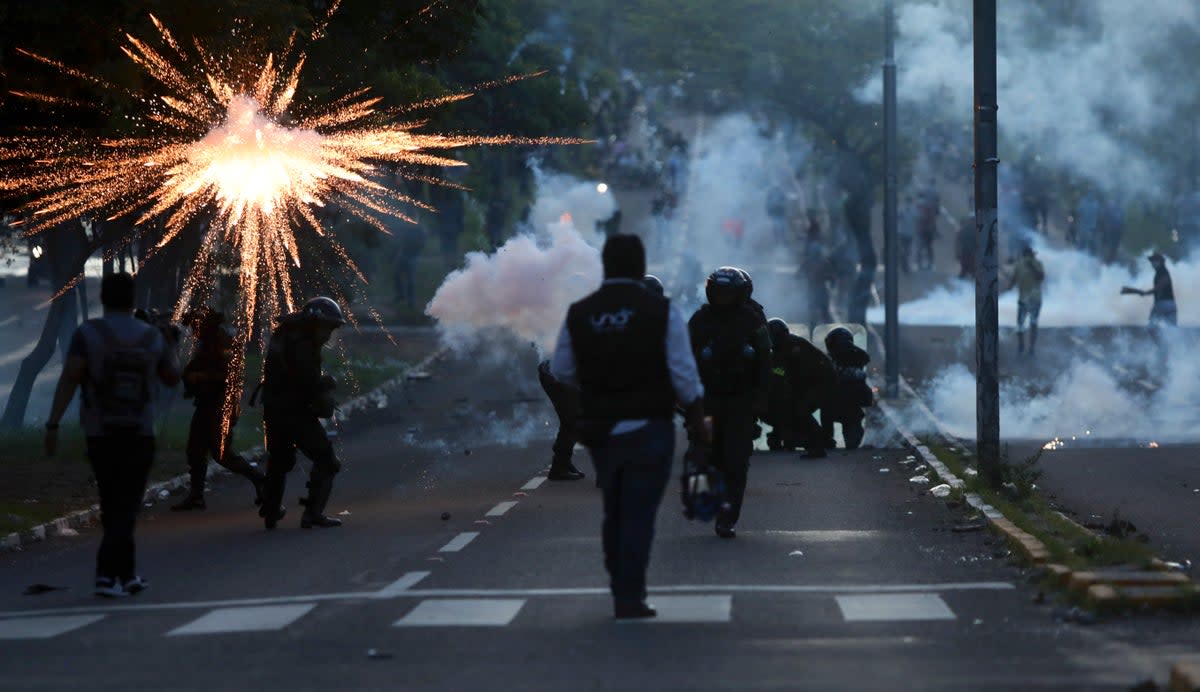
column 525, row 287
column 1078, row 96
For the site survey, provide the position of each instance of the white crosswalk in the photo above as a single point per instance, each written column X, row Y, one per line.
column 486, row 611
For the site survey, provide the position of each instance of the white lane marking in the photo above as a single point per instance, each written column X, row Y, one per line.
column 459, row 542
column 401, row 585
column 534, row 483
column 824, row 536
column 500, row 509
column 254, row 619
column 894, row 607
column 580, row 591
column 44, row 627
column 7, row 321
column 691, row 609
column 463, row 612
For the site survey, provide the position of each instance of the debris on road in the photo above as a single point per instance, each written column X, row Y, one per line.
column 445, row 516
column 942, row 490
column 920, row 480
column 377, row 654
column 38, row 589
column 965, row 528
column 884, row 469
column 796, row 553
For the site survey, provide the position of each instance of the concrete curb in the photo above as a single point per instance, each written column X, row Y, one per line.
column 70, row 524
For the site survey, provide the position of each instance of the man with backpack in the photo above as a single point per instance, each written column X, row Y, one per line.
column 116, row 359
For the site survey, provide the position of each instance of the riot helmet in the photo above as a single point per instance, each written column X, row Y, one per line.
column 654, row 285
column 838, row 337
column 726, row 287
column 778, row 329
column 749, row 282
column 323, row 311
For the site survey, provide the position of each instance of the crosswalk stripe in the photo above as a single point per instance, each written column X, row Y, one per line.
column 254, row 619
column 44, row 627
column 893, row 607
column 459, row 542
column 462, row 612
column 692, row 609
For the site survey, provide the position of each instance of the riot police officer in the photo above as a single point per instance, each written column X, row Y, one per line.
column 296, row 395
column 802, row 377
column 205, row 382
column 852, row 392
column 732, row 349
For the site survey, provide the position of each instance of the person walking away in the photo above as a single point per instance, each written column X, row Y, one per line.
column 565, row 400
column 1028, row 276
column 296, row 396
column 627, row 350
column 801, row 378
column 116, row 359
column 852, row 392
column 732, row 350
column 966, row 244
column 206, row 382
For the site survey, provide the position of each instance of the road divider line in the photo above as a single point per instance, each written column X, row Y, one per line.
column 459, row 542
column 404, row 583
column 500, row 509
column 534, row 483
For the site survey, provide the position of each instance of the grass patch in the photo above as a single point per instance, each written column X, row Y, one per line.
column 1068, row 543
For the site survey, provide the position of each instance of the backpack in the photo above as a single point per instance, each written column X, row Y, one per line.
column 122, row 387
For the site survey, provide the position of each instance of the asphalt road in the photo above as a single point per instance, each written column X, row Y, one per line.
column 843, row 576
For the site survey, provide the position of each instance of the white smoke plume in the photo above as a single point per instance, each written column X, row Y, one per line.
column 1076, row 95
column 525, row 287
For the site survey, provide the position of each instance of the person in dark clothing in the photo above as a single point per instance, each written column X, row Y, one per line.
column 205, row 382
column 1163, row 312
column 296, row 395
column 851, row 393
column 565, row 400
column 802, row 377
column 628, row 351
column 116, row 360
column 733, row 351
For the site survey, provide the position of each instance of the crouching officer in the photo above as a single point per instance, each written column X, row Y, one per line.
column 205, row 382
column 296, row 395
column 852, row 392
column 801, row 378
column 732, row 349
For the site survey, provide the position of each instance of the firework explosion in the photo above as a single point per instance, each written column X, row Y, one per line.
column 231, row 147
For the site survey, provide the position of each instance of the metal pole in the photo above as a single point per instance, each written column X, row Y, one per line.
column 987, row 326
column 891, row 245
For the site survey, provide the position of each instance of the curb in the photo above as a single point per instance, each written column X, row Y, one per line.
column 70, row 524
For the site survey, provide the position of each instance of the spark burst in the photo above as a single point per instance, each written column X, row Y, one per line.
column 233, row 148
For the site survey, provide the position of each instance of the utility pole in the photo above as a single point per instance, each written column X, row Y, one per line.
column 891, row 245
column 987, row 324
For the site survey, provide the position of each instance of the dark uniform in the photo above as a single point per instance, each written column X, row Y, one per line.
column 851, row 393
column 732, row 349
column 565, row 400
column 1163, row 312
column 296, row 395
column 802, row 378
column 205, row 382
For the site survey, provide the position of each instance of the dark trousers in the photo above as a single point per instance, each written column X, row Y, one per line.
column 733, row 443
column 121, row 464
column 850, row 416
column 286, row 434
column 634, row 469
column 565, row 400
column 796, row 425
column 205, row 440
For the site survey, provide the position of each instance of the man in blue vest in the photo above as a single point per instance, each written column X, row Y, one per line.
column 629, row 353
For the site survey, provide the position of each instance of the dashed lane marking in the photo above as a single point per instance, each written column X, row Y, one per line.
column 44, row 627
column 253, row 619
column 534, row 483
column 398, row 587
column 462, row 612
column 459, row 542
column 500, row 509
column 893, row 607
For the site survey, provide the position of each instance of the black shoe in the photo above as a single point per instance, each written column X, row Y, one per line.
column 271, row 519
column 189, row 503
column 307, row 521
column 814, row 453
column 724, row 530
column 633, row 610
column 564, row 473
column 258, row 491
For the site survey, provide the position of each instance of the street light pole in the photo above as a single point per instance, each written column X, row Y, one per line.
column 987, row 325
column 891, row 246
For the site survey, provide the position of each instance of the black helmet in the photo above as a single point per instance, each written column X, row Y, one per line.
column 651, row 282
column 726, row 286
column 841, row 336
column 778, row 329
column 323, row 310
column 749, row 282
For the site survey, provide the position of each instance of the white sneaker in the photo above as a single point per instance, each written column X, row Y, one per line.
column 135, row 585
column 110, row 588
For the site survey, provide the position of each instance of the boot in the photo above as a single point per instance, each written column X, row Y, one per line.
column 319, row 488
column 195, row 496
column 236, row 463
column 1020, row 342
column 563, row 471
column 272, row 509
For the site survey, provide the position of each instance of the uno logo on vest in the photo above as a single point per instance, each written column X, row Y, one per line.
column 607, row 322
